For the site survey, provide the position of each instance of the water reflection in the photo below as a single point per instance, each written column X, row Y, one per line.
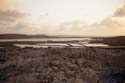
column 61, row 45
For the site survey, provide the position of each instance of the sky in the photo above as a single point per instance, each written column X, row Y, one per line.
column 63, row 17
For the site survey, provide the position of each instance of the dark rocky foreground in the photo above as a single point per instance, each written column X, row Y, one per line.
column 60, row 65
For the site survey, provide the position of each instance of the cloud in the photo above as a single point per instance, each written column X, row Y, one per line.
column 107, row 27
column 120, row 11
column 8, row 13
column 110, row 26
column 11, row 15
column 6, row 4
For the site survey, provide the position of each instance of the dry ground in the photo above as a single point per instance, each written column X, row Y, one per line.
column 59, row 65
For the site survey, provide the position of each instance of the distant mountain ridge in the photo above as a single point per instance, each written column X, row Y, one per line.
column 112, row 41
column 21, row 36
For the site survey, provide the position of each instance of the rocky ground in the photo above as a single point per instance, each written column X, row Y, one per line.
column 59, row 65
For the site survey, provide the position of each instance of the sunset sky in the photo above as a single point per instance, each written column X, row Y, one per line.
column 63, row 17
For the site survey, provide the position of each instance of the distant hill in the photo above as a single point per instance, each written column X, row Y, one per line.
column 21, row 36
column 112, row 41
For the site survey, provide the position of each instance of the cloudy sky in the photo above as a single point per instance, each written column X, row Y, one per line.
column 63, row 17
